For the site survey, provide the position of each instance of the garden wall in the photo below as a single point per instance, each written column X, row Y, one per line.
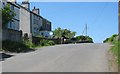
column 13, row 35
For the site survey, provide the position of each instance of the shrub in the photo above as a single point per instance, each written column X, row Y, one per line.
column 50, row 42
column 44, row 42
column 106, row 40
column 29, row 44
column 111, row 39
column 84, row 38
column 12, row 46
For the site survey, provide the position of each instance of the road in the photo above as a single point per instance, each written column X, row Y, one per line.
column 61, row 58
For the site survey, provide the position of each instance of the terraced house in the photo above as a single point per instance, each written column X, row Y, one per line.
column 15, row 23
column 12, row 32
column 30, row 22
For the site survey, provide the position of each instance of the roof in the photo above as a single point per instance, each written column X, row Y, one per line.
column 18, row 5
column 13, row 4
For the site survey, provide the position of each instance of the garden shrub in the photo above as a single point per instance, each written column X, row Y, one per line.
column 12, row 46
column 44, row 42
column 50, row 42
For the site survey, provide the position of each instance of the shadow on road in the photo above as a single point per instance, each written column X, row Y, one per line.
column 4, row 56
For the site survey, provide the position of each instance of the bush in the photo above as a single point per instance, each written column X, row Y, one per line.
column 44, row 42
column 106, row 40
column 84, row 38
column 111, row 39
column 29, row 44
column 50, row 42
column 12, row 46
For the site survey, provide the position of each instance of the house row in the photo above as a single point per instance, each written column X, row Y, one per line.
column 28, row 21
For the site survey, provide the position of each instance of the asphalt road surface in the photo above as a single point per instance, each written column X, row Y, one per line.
column 61, row 58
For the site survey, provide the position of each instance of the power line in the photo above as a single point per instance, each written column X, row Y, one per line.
column 96, row 19
column 99, row 15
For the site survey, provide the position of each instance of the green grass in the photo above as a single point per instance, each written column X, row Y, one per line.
column 116, row 50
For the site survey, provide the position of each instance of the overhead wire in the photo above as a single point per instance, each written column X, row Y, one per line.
column 99, row 15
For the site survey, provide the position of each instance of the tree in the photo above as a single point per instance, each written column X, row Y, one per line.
column 68, row 34
column 7, row 15
column 84, row 38
column 57, row 33
column 63, row 33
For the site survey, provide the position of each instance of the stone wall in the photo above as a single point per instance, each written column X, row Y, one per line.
column 13, row 35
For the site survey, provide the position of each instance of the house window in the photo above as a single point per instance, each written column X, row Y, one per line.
column 12, row 7
column 3, row 3
column 34, row 21
column 10, row 24
column 42, row 34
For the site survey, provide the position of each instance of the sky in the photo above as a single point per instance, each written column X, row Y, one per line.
column 101, row 17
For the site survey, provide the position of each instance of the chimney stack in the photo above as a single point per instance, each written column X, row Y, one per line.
column 13, row 1
column 36, row 10
column 26, row 4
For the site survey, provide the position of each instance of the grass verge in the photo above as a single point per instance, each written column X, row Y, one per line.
column 116, row 51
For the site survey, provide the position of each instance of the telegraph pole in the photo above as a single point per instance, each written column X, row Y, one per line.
column 86, row 30
column 119, row 19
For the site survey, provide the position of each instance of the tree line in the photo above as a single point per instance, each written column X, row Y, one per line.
column 67, row 34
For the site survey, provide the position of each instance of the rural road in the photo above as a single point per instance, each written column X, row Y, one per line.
column 61, row 58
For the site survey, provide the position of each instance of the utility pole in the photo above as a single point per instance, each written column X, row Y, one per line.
column 86, row 30
column 119, row 19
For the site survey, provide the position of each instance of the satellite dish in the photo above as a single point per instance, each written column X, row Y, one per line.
column 51, row 33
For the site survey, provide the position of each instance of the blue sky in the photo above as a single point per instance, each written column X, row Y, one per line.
column 101, row 17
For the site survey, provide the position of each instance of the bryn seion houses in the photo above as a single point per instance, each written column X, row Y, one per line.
column 28, row 21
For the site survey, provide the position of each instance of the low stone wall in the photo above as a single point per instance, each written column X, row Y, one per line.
column 13, row 35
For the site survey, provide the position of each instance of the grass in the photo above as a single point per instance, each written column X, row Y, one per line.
column 116, row 50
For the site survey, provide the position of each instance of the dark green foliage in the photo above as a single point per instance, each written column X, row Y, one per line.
column 12, row 46
column 84, row 38
column 29, row 44
column 111, row 39
column 45, row 42
column 50, row 42
column 63, row 33
column 106, row 40
column 7, row 15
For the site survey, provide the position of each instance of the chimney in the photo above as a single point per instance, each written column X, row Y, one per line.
column 36, row 10
column 13, row 1
column 26, row 4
